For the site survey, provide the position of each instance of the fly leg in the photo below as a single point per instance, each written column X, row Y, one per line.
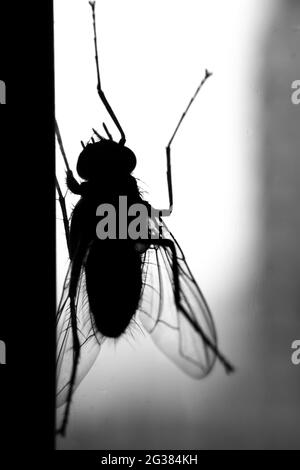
column 64, row 213
column 73, row 184
column 60, row 194
column 167, row 212
column 99, row 88
column 75, row 274
column 169, row 245
column 76, row 355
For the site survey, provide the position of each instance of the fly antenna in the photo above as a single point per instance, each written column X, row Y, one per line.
column 206, row 76
column 82, row 144
column 107, row 131
column 99, row 89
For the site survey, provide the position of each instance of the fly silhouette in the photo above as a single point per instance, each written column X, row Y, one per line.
column 110, row 282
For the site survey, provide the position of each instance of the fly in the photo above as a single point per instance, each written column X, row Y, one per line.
column 153, row 278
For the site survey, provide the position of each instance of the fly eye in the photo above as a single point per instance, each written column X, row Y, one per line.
column 86, row 161
column 105, row 156
column 127, row 160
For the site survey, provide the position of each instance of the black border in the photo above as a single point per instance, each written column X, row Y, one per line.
column 28, row 224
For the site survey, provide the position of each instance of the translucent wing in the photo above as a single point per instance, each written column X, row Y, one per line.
column 177, row 316
column 89, row 338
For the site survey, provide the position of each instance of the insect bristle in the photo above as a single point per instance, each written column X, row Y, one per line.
column 132, row 332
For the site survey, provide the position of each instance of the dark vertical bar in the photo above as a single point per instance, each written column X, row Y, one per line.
column 28, row 225
column 4, row 349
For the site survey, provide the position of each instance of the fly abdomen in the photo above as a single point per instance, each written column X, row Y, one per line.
column 114, row 283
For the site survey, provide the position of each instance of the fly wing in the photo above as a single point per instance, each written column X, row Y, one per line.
column 90, row 340
column 184, row 330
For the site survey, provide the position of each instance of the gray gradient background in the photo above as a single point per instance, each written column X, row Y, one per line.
column 133, row 398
